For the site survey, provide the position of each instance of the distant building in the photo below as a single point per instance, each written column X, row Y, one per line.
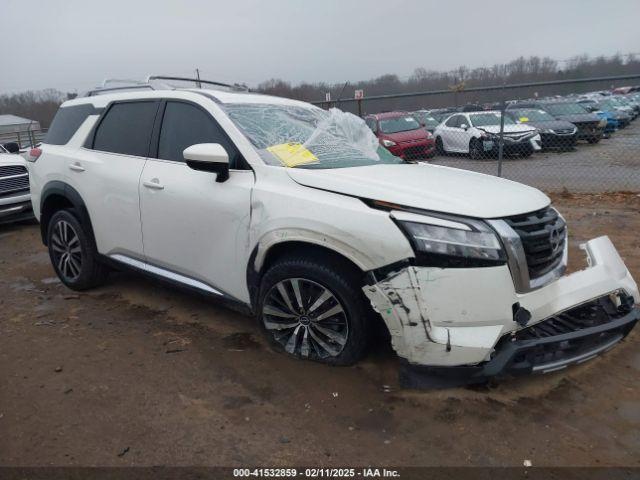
column 14, row 124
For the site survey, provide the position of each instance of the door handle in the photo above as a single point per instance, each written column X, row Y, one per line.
column 76, row 167
column 154, row 184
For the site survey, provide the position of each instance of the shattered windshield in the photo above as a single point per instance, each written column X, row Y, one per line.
column 307, row 136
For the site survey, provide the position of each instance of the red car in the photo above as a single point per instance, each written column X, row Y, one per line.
column 402, row 135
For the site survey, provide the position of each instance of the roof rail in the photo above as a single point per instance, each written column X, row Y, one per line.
column 127, row 84
column 198, row 82
column 134, row 84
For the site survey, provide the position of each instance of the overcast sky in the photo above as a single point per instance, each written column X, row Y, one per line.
column 74, row 44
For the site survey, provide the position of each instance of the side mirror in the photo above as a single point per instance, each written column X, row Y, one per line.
column 464, row 126
column 208, row 157
column 12, row 147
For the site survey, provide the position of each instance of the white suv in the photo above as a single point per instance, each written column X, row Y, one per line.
column 297, row 215
column 477, row 133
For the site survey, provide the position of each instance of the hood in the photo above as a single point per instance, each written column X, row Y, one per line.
column 428, row 187
column 408, row 136
column 552, row 124
column 579, row 117
column 518, row 128
column 11, row 159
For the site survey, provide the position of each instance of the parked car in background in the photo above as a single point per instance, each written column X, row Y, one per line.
column 426, row 119
column 15, row 197
column 626, row 105
column 604, row 108
column 402, row 135
column 590, row 126
column 441, row 114
column 476, row 133
column 553, row 133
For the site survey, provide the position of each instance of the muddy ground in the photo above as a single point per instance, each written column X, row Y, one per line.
column 136, row 373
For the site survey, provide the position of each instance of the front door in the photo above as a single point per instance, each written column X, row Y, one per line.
column 193, row 226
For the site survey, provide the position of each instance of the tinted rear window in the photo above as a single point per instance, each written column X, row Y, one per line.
column 66, row 123
column 126, row 128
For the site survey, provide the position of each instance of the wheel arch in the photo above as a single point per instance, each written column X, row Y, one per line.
column 57, row 195
column 265, row 255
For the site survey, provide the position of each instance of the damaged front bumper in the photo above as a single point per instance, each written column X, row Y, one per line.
column 464, row 317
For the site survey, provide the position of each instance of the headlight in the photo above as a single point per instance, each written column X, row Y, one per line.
column 452, row 243
column 546, row 130
column 388, row 143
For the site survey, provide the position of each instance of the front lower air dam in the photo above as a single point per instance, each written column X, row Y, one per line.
column 453, row 326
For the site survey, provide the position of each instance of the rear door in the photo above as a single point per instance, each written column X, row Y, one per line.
column 107, row 172
column 195, row 229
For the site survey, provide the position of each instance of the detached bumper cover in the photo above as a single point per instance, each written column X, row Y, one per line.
column 460, row 317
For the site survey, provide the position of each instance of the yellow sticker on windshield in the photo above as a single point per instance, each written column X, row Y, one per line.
column 524, row 119
column 292, row 154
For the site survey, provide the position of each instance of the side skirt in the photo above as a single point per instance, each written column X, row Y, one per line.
column 172, row 278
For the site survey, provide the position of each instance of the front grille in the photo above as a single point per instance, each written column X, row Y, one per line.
column 13, row 179
column 543, row 235
column 563, row 131
column 587, row 126
column 570, row 337
column 592, row 314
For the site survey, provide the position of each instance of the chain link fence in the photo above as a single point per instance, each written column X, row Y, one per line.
column 563, row 135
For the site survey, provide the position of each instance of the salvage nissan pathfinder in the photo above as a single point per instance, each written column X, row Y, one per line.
column 299, row 216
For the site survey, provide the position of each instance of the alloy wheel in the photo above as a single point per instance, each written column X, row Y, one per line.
column 67, row 252
column 305, row 318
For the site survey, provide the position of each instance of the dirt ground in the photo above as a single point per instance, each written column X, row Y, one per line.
column 136, row 373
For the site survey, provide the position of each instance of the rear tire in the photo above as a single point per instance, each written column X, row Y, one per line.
column 314, row 311
column 73, row 253
column 593, row 140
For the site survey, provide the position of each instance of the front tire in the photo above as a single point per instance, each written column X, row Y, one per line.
column 314, row 310
column 73, row 253
column 475, row 149
column 440, row 146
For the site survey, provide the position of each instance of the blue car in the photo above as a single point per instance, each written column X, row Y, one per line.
column 615, row 119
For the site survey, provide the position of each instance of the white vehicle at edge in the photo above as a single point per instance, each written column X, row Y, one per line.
column 297, row 215
column 476, row 133
column 15, row 199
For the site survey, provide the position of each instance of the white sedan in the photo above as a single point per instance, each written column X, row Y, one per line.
column 477, row 134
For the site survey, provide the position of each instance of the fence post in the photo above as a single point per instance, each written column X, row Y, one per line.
column 360, row 107
column 501, row 138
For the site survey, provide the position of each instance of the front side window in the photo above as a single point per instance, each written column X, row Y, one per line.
column 304, row 136
column 453, row 121
column 126, row 128
column 184, row 125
